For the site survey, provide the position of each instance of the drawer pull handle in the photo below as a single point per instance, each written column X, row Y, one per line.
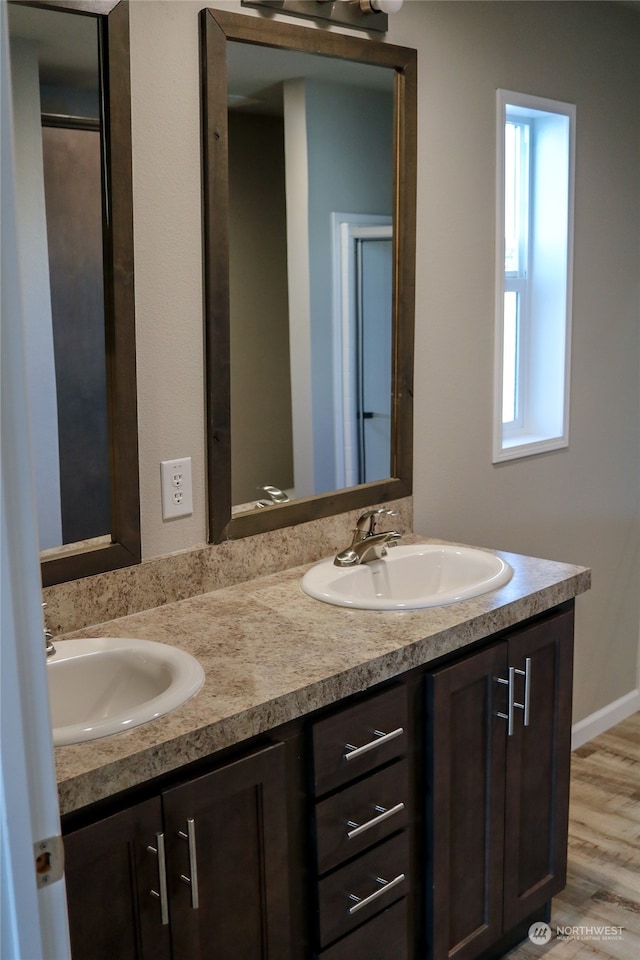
column 192, row 881
column 380, row 738
column 383, row 814
column 510, row 684
column 511, row 700
column 525, row 707
column 385, row 886
column 162, row 878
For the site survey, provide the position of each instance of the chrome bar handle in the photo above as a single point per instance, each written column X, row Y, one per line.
column 380, row 738
column 385, row 886
column 525, row 707
column 508, row 716
column 192, row 881
column 162, row 878
column 383, row 814
column 527, row 691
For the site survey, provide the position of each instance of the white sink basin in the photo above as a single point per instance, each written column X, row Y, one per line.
column 409, row 578
column 105, row 685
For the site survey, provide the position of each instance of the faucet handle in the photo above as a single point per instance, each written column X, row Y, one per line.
column 367, row 521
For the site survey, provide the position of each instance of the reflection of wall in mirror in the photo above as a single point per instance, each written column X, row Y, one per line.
column 261, row 450
column 33, row 256
column 350, row 160
column 338, row 154
column 73, row 190
column 59, row 211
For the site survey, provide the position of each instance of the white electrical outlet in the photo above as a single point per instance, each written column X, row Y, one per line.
column 177, row 493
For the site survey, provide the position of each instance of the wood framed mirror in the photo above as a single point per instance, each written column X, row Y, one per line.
column 72, row 126
column 275, row 416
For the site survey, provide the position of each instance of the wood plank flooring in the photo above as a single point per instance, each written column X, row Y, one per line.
column 603, row 883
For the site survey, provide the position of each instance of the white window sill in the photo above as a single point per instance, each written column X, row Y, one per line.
column 527, row 445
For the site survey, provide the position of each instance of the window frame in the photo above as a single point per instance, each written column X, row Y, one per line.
column 539, row 426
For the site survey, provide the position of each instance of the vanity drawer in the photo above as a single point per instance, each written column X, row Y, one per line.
column 368, row 734
column 361, row 815
column 383, row 938
column 338, row 909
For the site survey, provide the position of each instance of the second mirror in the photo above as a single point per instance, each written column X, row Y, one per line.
column 309, row 205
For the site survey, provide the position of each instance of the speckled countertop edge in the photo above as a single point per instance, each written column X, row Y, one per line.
column 271, row 654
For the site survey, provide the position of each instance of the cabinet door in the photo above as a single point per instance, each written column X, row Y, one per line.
column 227, row 861
column 111, row 870
column 467, row 803
column 538, row 761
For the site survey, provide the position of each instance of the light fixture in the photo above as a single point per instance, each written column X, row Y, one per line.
column 360, row 14
column 380, row 6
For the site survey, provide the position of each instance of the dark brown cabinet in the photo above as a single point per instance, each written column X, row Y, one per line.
column 110, row 873
column 199, row 871
column 500, row 723
column 328, row 843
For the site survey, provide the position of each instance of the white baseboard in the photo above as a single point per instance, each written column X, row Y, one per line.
column 602, row 720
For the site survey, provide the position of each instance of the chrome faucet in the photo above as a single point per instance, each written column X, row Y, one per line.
column 273, row 495
column 367, row 545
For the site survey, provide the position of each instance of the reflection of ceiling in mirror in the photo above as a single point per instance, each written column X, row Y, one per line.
column 67, row 44
column 256, row 75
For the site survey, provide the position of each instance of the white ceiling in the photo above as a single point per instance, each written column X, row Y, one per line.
column 67, row 44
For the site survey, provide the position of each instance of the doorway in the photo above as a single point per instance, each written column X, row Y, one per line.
column 362, row 332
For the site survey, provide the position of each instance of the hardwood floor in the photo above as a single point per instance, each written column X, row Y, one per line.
column 603, row 883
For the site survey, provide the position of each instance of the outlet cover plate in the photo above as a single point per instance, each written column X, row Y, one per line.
column 176, row 487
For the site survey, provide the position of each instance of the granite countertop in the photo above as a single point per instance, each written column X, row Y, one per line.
column 272, row 654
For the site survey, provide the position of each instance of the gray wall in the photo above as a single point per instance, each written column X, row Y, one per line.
column 580, row 504
column 577, row 505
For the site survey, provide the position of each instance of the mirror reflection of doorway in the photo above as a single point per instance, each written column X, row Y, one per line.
column 362, row 329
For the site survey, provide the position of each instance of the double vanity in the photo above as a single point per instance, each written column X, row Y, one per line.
column 365, row 761
column 345, row 783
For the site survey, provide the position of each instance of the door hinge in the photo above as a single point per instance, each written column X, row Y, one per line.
column 49, row 860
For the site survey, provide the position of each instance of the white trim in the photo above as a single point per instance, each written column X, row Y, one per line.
column 602, row 720
column 522, row 445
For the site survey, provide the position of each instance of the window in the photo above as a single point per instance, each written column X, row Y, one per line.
column 535, row 175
